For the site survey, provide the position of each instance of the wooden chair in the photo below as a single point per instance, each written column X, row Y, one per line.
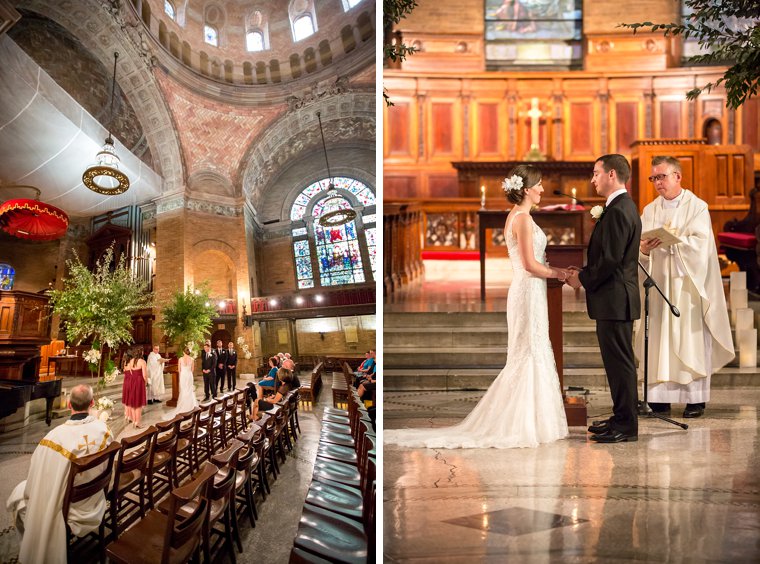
column 186, row 457
column 222, row 497
column 130, row 479
column 163, row 466
column 171, row 537
column 78, row 490
column 241, row 410
column 247, row 464
column 203, row 436
column 295, row 424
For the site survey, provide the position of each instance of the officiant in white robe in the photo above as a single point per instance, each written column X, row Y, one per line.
column 156, row 388
column 36, row 503
column 683, row 351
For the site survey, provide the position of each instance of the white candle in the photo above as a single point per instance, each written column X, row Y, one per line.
column 747, row 348
column 738, row 281
column 738, row 298
column 745, row 319
column 482, row 196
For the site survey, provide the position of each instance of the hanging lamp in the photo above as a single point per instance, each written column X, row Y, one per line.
column 336, row 217
column 104, row 177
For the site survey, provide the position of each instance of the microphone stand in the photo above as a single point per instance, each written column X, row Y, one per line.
column 645, row 410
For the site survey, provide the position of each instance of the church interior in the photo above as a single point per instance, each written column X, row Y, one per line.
column 556, row 84
column 218, row 148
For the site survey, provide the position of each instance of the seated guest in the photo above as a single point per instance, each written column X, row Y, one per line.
column 285, row 378
column 291, row 365
column 36, row 503
column 365, row 368
column 367, row 388
column 269, row 380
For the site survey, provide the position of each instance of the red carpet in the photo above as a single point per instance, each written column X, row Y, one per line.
column 450, row 255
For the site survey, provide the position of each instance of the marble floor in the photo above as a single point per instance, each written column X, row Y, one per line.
column 673, row 496
column 269, row 543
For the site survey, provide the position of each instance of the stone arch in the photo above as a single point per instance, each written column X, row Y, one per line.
column 228, row 71
column 174, row 45
column 347, row 38
column 247, row 72
column 145, row 13
column 364, row 23
column 141, row 88
column 274, row 70
column 261, row 73
column 186, row 54
column 295, row 65
column 163, row 35
column 211, row 261
column 325, row 53
column 204, row 63
column 208, row 182
column 310, row 60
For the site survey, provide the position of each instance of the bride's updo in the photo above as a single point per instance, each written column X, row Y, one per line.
column 187, row 351
column 528, row 174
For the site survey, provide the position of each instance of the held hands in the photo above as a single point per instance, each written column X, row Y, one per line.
column 572, row 280
column 647, row 245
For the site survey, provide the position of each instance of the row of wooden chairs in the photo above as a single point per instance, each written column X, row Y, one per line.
column 136, row 473
column 338, row 519
column 309, row 391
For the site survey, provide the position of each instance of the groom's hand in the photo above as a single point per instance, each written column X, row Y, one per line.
column 573, row 281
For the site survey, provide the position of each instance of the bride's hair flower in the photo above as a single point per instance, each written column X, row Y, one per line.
column 597, row 212
column 514, row 182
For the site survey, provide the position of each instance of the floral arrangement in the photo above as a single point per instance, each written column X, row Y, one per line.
column 597, row 212
column 109, row 376
column 244, row 346
column 103, row 403
column 192, row 346
column 188, row 316
column 92, row 356
column 514, row 182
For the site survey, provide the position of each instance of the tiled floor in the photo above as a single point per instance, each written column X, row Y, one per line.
column 269, row 542
column 673, row 496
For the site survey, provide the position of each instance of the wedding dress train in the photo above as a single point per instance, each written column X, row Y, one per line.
column 523, row 407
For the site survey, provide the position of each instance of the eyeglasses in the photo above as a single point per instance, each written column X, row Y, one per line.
column 658, row 178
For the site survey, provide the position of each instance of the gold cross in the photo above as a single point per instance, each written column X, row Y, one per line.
column 86, row 445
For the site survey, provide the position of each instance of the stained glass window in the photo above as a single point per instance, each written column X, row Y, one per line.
column 210, row 35
column 303, row 27
column 348, row 4
column 169, row 9
column 7, row 276
column 337, row 250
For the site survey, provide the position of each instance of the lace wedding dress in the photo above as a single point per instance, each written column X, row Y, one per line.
column 186, row 400
column 523, row 407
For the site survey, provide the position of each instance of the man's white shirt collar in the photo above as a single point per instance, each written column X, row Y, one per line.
column 614, row 195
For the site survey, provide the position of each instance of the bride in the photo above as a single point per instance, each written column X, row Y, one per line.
column 523, row 407
column 186, row 400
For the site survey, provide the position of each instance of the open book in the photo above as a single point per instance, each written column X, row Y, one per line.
column 663, row 235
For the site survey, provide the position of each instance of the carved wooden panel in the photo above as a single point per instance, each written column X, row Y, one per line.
column 399, row 129
column 751, row 123
column 442, row 130
column 443, row 186
column 626, row 131
column 488, row 129
column 581, row 128
column 399, row 187
column 670, row 119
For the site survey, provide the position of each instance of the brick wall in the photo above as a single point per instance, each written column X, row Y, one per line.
column 275, row 268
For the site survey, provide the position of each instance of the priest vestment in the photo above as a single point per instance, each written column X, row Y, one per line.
column 37, row 502
column 155, row 376
column 684, row 351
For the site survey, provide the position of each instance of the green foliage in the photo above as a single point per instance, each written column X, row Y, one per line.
column 100, row 304
column 393, row 12
column 729, row 30
column 187, row 316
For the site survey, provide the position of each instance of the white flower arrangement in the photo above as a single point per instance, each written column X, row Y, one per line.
column 92, row 356
column 240, row 341
column 110, row 377
column 597, row 212
column 514, row 182
column 193, row 348
column 103, row 403
column 244, row 347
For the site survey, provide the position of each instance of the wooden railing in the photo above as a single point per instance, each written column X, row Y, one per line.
column 402, row 244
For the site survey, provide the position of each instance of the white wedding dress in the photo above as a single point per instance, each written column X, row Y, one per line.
column 523, row 407
column 186, row 399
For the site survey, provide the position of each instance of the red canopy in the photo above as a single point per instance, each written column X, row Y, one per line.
column 32, row 219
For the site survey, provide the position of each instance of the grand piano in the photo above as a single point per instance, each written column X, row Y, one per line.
column 24, row 328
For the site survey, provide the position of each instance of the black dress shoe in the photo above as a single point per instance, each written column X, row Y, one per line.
column 613, row 436
column 693, row 411
column 150, row 402
column 660, row 407
column 599, row 427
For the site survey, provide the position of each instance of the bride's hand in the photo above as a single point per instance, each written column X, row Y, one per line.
column 562, row 274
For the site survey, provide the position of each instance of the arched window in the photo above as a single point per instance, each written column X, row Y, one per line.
column 303, row 19
column 339, row 254
column 254, row 41
column 348, row 4
column 210, row 35
column 169, row 10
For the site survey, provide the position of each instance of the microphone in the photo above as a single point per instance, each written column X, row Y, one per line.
column 578, row 201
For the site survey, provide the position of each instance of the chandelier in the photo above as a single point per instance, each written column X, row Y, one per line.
column 336, row 217
column 104, row 177
column 28, row 218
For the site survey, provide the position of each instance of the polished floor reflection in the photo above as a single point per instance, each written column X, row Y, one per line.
column 673, row 496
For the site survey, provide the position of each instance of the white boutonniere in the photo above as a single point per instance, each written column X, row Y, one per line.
column 597, row 212
column 514, row 182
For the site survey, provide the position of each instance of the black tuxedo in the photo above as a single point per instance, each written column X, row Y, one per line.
column 221, row 367
column 208, row 365
column 610, row 279
column 231, row 368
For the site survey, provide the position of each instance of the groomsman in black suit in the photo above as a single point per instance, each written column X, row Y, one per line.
column 611, row 281
column 208, row 367
column 231, row 366
column 221, row 364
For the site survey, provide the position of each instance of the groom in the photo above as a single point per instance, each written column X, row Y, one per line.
column 610, row 279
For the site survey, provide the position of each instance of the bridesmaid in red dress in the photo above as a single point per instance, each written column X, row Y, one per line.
column 133, row 390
